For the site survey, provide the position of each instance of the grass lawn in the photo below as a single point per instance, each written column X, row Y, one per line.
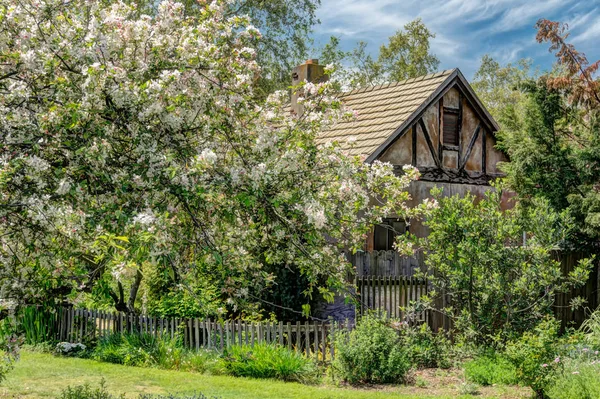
column 44, row 376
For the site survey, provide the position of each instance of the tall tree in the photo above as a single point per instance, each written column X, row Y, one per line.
column 406, row 55
column 551, row 133
column 498, row 86
column 131, row 142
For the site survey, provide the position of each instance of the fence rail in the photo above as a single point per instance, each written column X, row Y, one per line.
column 313, row 339
column 385, row 263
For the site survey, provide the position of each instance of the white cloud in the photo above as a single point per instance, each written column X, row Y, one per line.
column 465, row 29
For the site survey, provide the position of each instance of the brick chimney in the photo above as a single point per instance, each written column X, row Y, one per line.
column 311, row 72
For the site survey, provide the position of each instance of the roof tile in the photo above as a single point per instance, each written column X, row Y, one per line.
column 381, row 110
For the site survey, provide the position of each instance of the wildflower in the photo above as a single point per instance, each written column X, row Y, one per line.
column 557, row 360
column 545, row 365
column 575, row 372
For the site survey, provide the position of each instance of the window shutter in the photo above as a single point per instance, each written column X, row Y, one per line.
column 450, row 127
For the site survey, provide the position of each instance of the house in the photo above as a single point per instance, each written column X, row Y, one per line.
column 434, row 122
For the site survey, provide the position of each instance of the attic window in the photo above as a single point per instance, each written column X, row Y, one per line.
column 451, row 126
column 385, row 233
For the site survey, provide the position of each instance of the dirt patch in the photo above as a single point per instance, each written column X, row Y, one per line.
column 450, row 383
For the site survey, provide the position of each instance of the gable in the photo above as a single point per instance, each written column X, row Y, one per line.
column 450, row 140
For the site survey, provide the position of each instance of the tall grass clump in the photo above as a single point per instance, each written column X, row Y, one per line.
column 148, row 350
column 268, row 361
column 37, row 325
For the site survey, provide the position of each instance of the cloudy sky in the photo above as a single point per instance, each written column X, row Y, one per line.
column 465, row 29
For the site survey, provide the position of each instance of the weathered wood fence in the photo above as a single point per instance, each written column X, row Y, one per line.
column 313, row 339
column 390, row 293
column 385, row 263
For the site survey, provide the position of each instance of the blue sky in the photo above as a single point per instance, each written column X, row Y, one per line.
column 465, row 29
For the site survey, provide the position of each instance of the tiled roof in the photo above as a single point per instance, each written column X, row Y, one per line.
column 381, row 110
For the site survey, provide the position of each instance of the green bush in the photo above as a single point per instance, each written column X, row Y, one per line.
column 536, row 356
column 371, row 353
column 426, row 349
column 268, row 361
column 490, row 369
column 86, row 392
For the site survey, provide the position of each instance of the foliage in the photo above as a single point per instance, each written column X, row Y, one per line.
column 550, row 129
column 87, row 392
column 577, row 76
column 499, row 86
column 146, row 350
column 9, row 354
column 142, row 143
column 536, row 356
column 268, row 361
column 466, row 388
column 69, row 349
column 406, row 55
column 499, row 286
column 37, row 324
column 372, row 352
column 426, row 349
column 591, row 329
column 491, row 368
column 284, row 25
column 579, row 378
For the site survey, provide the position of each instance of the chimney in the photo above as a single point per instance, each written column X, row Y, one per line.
column 311, row 72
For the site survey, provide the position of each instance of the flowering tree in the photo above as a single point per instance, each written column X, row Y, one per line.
column 130, row 143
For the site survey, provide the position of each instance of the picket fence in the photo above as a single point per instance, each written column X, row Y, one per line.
column 391, row 295
column 313, row 339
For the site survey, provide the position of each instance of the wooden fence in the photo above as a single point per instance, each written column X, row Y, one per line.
column 313, row 339
column 385, row 263
column 391, row 294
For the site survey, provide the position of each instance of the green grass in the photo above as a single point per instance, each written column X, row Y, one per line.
column 44, row 376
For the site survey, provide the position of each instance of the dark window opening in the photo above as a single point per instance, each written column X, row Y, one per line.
column 451, row 128
column 386, row 232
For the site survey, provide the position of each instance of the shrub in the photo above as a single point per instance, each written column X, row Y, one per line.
column 490, row 369
column 536, row 356
column 426, row 349
column 69, row 349
column 371, row 353
column 86, row 392
column 475, row 255
column 268, row 361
